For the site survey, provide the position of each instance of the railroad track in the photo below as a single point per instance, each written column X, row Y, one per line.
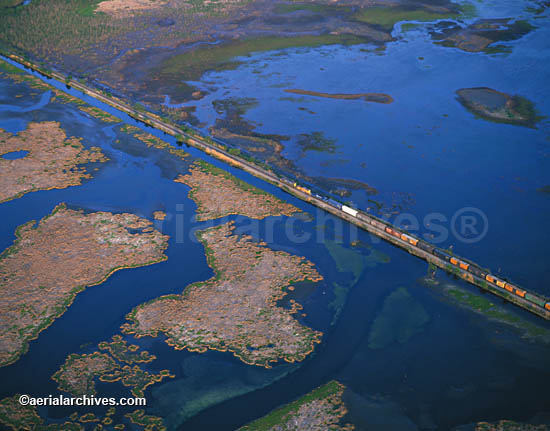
column 461, row 267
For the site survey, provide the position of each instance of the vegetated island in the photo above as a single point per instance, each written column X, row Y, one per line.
column 153, row 141
column 50, row 162
column 41, row 273
column 159, row 215
column 368, row 97
column 219, row 194
column 78, row 373
column 236, row 310
column 481, row 35
column 321, row 409
column 17, row 417
column 499, row 107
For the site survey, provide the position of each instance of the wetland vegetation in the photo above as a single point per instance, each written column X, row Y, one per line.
column 50, row 263
column 224, row 313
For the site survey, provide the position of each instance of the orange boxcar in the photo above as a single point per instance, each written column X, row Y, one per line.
column 454, row 261
column 547, row 306
column 464, row 265
column 490, row 278
column 521, row 293
column 509, row 287
column 501, row 283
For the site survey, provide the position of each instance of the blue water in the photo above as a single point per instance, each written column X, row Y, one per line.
column 425, row 144
column 460, row 367
column 14, row 155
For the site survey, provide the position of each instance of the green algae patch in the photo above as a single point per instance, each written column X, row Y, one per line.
column 387, row 17
column 484, row 306
column 400, row 319
column 321, row 409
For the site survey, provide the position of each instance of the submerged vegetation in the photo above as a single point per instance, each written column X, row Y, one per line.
column 354, row 261
column 400, row 319
column 316, row 141
column 481, row 304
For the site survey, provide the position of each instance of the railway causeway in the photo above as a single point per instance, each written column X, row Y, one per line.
column 463, row 268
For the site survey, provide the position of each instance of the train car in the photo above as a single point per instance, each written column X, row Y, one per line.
column 500, row 283
column 302, row 188
column 350, row 211
column 520, row 292
column 363, row 217
column 392, row 232
column 426, row 246
column 535, row 299
column 477, row 271
column 378, row 224
column 509, row 287
column 409, row 239
column 335, row 203
column 547, row 306
column 490, row 278
column 459, row 263
column 441, row 254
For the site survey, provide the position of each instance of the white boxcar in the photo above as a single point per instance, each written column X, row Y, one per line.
column 349, row 211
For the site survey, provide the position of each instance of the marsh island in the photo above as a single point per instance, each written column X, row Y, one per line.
column 51, row 262
column 237, row 309
column 219, row 194
column 47, row 160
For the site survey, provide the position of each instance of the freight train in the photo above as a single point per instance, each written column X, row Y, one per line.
column 429, row 248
